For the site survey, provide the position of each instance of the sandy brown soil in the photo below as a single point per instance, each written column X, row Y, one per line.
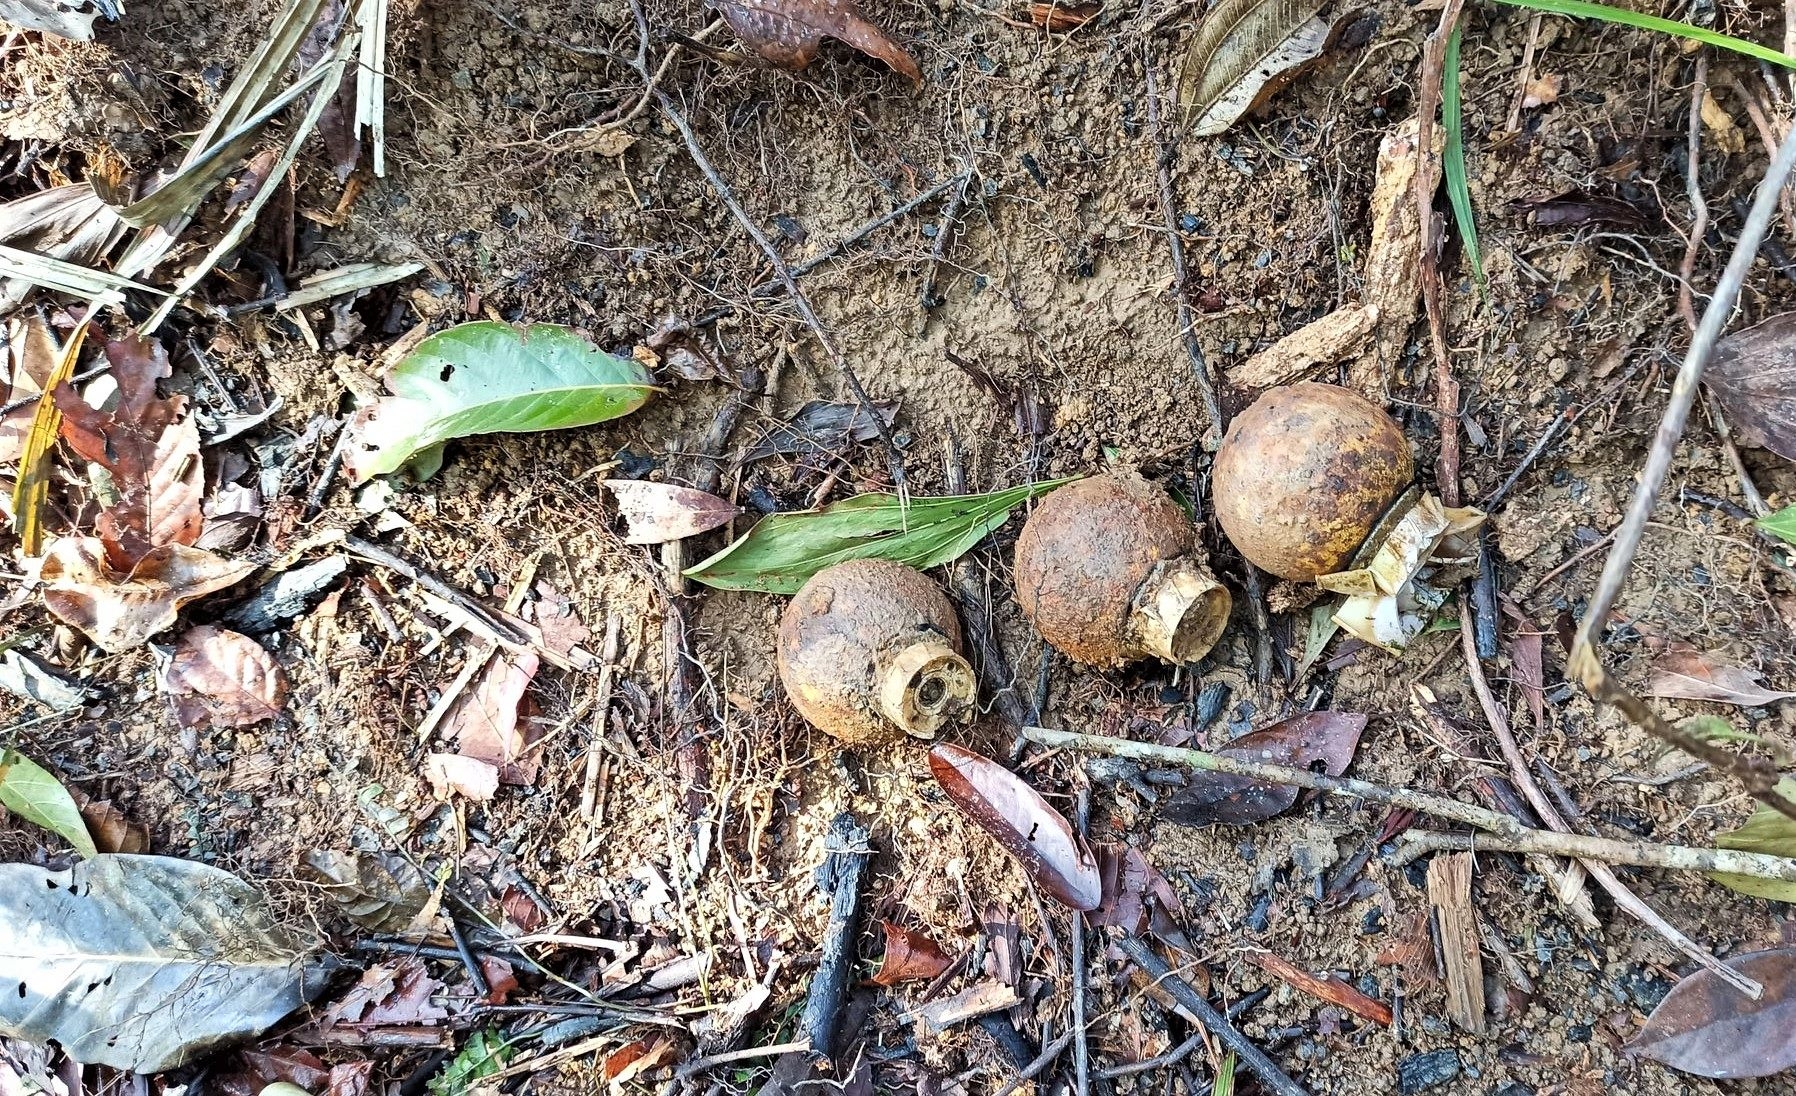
column 1056, row 283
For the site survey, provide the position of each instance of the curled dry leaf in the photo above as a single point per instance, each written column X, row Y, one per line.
column 1244, row 52
column 30, row 359
column 112, row 829
column 788, row 33
column 1328, row 738
column 119, row 611
column 1708, row 1028
column 909, row 956
column 148, row 448
column 1753, row 376
column 217, row 678
column 382, row 892
column 1684, row 673
column 820, row 427
column 656, row 513
column 465, row 776
column 1062, row 18
column 486, row 726
column 1015, row 814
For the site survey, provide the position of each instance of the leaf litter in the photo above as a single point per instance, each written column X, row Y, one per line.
column 1304, row 741
column 1243, row 52
column 655, row 513
column 1684, row 673
column 219, row 678
column 1708, row 1028
column 1022, row 823
column 1753, row 376
column 788, row 33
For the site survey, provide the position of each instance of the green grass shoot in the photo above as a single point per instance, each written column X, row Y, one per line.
column 1459, row 194
column 1583, row 9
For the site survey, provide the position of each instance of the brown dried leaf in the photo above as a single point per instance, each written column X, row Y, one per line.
column 1708, row 1028
column 413, row 999
column 1124, row 872
column 1023, row 823
column 1525, row 659
column 1753, row 376
column 1684, row 673
column 217, row 678
column 788, row 33
column 150, row 450
column 656, row 513
column 909, row 957
column 465, row 776
column 1575, row 208
column 121, row 611
column 1542, row 90
column 378, row 891
column 32, row 355
column 1300, row 742
column 112, row 831
column 632, row 1060
column 485, row 723
column 1243, row 52
column 1062, row 18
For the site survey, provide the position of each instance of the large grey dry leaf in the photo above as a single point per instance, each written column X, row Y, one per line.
column 142, row 963
column 1753, row 376
column 378, row 891
column 65, row 20
column 1239, row 54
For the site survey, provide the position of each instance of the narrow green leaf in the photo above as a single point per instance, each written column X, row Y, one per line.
column 492, row 378
column 1225, row 1077
column 1767, row 831
column 484, row 1054
column 782, row 551
column 28, row 790
column 1582, row 9
column 1781, row 525
column 1459, row 194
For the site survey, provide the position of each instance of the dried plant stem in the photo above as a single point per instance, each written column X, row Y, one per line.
column 1757, row 774
column 1699, row 222
column 1550, row 815
column 1033, row 1069
column 1428, row 99
column 1199, row 1011
column 1601, row 849
column 1412, row 844
column 608, row 654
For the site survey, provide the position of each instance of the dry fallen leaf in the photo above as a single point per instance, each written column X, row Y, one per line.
column 1300, row 742
column 1753, row 375
column 1542, row 90
column 788, row 33
column 112, row 830
column 121, row 611
column 1062, row 18
column 148, row 448
column 659, row 512
column 1006, row 807
column 1708, row 1028
column 1684, row 673
column 485, row 724
column 30, row 359
column 1327, row 987
column 464, row 776
column 217, row 678
column 909, row 957
column 1243, row 53
column 1721, row 126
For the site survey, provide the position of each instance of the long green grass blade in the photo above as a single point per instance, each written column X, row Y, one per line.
column 1583, row 9
column 1459, row 193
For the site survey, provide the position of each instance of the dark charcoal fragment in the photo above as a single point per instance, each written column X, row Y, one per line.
column 1420, row 1072
column 1644, row 988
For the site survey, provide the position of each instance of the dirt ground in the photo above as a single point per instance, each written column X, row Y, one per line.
column 1056, row 284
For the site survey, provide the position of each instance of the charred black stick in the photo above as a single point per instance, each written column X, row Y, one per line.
column 926, row 298
column 845, row 863
column 1194, row 1008
column 1484, row 600
column 476, row 976
column 1015, row 1048
column 1533, row 454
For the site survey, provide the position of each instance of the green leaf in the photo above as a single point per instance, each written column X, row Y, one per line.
column 782, row 551
column 1781, row 525
column 28, row 790
column 483, row 1055
column 1582, row 9
column 1459, row 194
column 1224, row 1084
column 492, row 378
column 1767, row 831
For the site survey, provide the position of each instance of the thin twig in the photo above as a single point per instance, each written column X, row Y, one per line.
column 1428, row 98
column 699, row 1065
column 944, row 229
column 1598, row 867
column 1533, row 454
column 608, row 655
column 1757, row 775
column 1159, row 1061
column 1601, row 849
column 501, row 628
column 1033, row 1069
column 1699, row 223
column 1164, row 152
column 1193, row 1007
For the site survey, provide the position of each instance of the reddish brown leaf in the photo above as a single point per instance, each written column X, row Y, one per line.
column 1753, row 376
column 520, row 909
column 1062, row 17
column 217, row 678
column 119, row 611
column 632, row 1060
column 1329, row 988
column 909, row 957
column 1526, row 662
column 501, row 980
column 656, row 513
column 1023, row 823
column 485, row 724
column 150, row 450
column 561, row 626
column 413, row 1000
column 466, row 776
column 1328, row 738
column 1124, row 872
column 1684, row 673
column 1707, row 1027
column 349, row 1078
column 111, row 830
column 788, row 33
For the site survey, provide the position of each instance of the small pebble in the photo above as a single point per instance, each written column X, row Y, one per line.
column 1420, row 1072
